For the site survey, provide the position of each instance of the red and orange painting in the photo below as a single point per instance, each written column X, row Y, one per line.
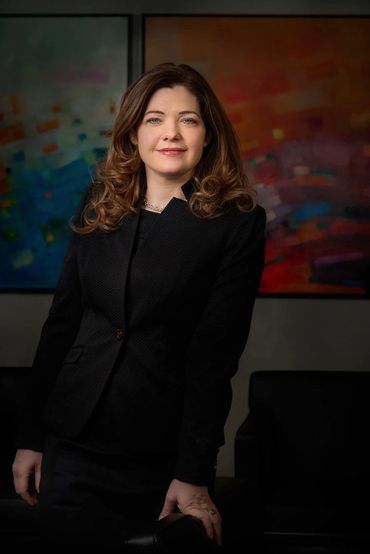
column 297, row 90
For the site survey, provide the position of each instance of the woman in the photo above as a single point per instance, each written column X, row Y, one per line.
column 131, row 378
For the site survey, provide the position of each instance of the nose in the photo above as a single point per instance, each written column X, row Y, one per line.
column 171, row 131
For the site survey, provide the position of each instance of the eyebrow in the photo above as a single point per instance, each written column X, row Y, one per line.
column 162, row 113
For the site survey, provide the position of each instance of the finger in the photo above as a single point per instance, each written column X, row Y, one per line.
column 216, row 521
column 169, row 506
column 38, row 478
column 27, row 497
column 20, row 483
column 21, row 488
column 203, row 516
column 217, row 530
column 208, row 526
column 211, row 522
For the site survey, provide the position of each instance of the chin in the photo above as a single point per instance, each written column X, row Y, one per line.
column 175, row 172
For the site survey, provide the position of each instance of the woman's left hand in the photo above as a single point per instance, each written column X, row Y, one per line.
column 193, row 500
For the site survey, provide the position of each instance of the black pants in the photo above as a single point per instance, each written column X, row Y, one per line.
column 97, row 499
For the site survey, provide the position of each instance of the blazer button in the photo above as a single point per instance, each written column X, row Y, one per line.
column 119, row 334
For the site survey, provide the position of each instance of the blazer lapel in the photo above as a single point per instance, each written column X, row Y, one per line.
column 108, row 257
column 175, row 209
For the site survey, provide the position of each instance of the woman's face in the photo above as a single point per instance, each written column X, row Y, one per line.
column 171, row 136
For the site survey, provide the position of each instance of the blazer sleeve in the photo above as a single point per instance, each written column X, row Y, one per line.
column 215, row 348
column 57, row 335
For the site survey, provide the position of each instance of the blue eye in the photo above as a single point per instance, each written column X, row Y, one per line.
column 190, row 119
column 187, row 120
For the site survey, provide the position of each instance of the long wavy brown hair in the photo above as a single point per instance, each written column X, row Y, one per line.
column 219, row 178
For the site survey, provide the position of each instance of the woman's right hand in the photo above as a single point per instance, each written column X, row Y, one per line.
column 27, row 474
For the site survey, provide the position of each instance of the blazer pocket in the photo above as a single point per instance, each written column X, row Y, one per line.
column 73, row 355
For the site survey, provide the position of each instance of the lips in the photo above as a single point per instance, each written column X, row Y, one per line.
column 171, row 151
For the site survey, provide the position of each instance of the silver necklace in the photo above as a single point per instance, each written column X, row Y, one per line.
column 152, row 206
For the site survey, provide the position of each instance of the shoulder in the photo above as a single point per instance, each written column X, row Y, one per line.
column 254, row 220
column 258, row 213
column 247, row 234
column 258, row 216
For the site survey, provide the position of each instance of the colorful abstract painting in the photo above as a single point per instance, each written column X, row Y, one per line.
column 61, row 81
column 297, row 90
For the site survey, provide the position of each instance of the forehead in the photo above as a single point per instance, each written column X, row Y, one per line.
column 177, row 96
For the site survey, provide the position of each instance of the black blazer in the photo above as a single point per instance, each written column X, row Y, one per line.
column 177, row 342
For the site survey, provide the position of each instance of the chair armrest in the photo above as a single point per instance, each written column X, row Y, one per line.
column 246, row 451
column 240, row 505
column 177, row 532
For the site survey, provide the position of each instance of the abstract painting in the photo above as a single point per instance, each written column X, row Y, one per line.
column 297, row 91
column 62, row 78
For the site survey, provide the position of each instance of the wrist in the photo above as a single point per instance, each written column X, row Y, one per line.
column 180, row 482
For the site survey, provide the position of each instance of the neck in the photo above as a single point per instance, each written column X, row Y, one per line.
column 160, row 192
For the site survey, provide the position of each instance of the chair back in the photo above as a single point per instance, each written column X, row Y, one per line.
column 312, row 424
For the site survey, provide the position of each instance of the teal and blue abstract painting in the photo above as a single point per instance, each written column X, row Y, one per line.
column 62, row 79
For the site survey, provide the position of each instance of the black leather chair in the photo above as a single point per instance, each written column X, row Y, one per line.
column 173, row 534
column 305, row 446
column 19, row 525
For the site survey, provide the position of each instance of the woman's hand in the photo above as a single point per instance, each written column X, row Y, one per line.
column 26, row 474
column 193, row 500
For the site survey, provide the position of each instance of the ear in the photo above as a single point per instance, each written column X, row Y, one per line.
column 133, row 136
